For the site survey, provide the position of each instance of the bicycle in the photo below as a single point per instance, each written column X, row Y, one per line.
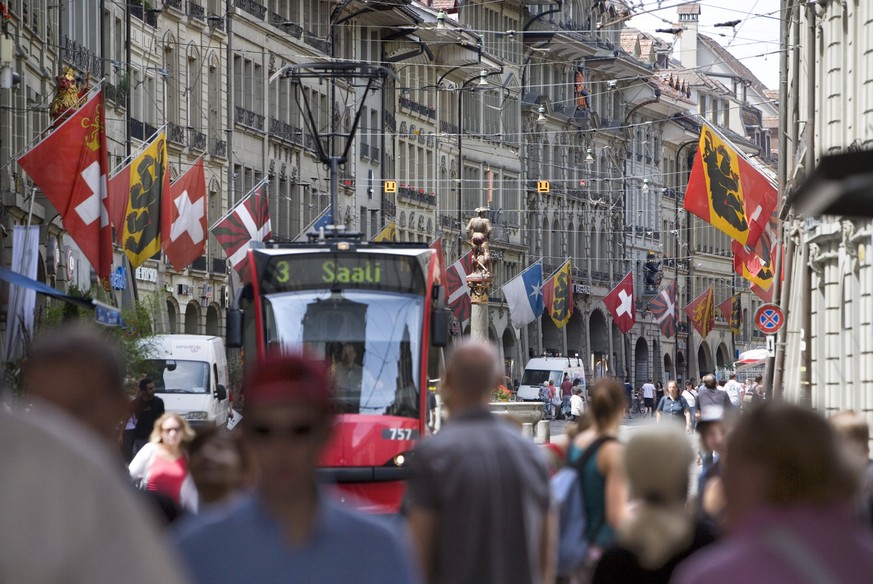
column 637, row 406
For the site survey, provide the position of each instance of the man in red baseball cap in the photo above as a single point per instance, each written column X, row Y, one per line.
column 288, row 528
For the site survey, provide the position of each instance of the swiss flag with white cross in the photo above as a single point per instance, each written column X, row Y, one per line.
column 184, row 233
column 70, row 167
column 620, row 302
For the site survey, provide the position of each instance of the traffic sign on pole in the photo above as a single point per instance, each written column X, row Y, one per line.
column 769, row 319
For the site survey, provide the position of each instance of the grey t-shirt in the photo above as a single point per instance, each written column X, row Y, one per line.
column 489, row 488
column 713, row 403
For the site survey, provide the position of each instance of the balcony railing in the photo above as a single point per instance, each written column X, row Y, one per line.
column 197, row 141
column 249, row 118
column 389, row 120
column 81, row 57
column 411, row 195
column 176, row 133
column 449, row 222
column 199, row 263
column 253, row 8
column 388, row 207
column 449, row 128
column 218, row 148
column 283, row 24
column 177, row 4
column 419, row 108
column 284, row 131
column 316, row 42
column 195, row 10
column 140, row 130
column 218, row 266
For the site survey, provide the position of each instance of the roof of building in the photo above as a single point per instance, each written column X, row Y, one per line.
column 733, row 63
column 648, row 42
column 690, row 8
column 772, row 94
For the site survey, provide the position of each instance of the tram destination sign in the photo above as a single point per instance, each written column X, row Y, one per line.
column 319, row 271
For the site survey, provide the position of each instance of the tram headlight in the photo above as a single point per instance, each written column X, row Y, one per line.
column 401, row 460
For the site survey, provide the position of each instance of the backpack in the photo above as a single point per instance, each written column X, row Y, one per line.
column 566, row 488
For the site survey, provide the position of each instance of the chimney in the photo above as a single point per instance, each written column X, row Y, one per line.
column 689, row 15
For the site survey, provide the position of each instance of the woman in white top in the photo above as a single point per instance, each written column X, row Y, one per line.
column 690, row 395
column 577, row 404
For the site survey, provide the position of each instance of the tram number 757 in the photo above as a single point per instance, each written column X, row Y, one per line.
column 399, row 434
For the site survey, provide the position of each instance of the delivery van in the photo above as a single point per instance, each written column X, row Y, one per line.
column 540, row 370
column 190, row 375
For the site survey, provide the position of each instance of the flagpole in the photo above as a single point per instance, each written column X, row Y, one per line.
column 130, row 157
column 259, row 184
column 202, row 155
column 40, row 136
column 313, row 222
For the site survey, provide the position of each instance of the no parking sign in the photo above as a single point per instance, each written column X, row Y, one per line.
column 769, row 318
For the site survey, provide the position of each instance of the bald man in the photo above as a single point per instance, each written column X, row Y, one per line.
column 479, row 495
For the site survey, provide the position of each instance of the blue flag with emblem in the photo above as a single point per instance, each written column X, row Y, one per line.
column 524, row 295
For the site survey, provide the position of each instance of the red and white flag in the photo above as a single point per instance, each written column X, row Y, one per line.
column 620, row 302
column 185, row 235
column 70, row 167
column 456, row 286
column 248, row 221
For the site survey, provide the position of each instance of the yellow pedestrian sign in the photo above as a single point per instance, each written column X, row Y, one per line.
column 390, row 186
column 542, row 186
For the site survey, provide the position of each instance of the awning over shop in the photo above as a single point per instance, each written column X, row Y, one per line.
column 103, row 314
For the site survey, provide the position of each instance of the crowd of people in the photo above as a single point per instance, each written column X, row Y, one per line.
column 783, row 494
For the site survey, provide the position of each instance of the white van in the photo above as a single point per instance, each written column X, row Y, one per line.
column 540, row 370
column 190, row 375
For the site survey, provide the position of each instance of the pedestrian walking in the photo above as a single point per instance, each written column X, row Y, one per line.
column 854, row 433
column 648, row 391
column 145, row 408
column 479, row 495
column 790, row 506
column 710, row 491
column 659, row 392
column 287, row 529
column 67, row 514
column 690, row 395
column 80, row 371
column 603, row 477
column 220, row 466
column 577, row 404
column 734, row 390
column 659, row 531
column 161, row 466
column 566, row 394
column 628, row 397
column 712, row 402
column 673, row 407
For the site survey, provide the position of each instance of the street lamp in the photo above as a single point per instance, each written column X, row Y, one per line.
column 482, row 85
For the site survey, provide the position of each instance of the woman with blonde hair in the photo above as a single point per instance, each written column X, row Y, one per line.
column 161, row 466
column 659, row 531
